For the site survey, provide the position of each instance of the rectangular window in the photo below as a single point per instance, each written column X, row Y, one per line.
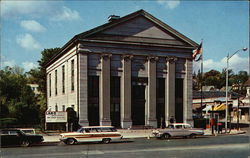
column 50, row 85
column 72, row 75
column 63, row 79
column 56, row 82
column 63, row 108
column 56, row 108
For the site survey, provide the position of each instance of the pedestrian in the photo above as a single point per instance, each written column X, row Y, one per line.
column 172, row 120
column 163, row 123
column 219, row 127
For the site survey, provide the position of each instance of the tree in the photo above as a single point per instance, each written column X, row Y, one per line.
column 38, row 76
column 17, row 100
column 212, row 78
column 218, row 79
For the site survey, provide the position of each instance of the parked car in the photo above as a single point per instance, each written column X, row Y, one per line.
column 178, row 130
column 11, row 137
column 28, row 130
column 103, row 134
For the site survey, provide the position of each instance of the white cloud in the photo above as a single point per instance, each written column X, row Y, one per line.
column 171, row 4
column 10, row 63
column 236, row 63
column 29, row 65
column 16, row 8
column 66, row 14
column 32, row 25
column 52, row 9
column 28, row 42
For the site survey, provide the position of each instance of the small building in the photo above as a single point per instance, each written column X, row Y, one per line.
column 132, row 71
column 34, row 88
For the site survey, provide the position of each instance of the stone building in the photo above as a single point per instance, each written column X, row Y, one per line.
column 133, row 70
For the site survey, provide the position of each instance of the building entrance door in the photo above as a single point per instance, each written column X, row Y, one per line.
column 179, row 100
column 93, row 114
column 138, row 104
column 115, row 114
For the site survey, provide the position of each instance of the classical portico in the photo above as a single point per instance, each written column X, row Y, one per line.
column 131, row 71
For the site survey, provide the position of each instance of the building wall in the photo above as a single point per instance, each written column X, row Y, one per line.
column 69, row 97
column 136, row 48
column 139, row 68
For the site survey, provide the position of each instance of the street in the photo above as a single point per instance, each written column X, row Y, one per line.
column 230, row 146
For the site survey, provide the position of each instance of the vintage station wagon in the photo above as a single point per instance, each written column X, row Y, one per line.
column 103, row 134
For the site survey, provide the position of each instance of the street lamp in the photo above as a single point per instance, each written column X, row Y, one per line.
column 228, row 57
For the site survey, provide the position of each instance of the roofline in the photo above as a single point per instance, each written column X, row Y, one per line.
column 116, row 22
column 62, row 50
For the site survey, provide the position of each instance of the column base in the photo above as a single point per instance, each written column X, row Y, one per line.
column 84, row 122
column 152, row 123
column 105, row 123
column 126, row 124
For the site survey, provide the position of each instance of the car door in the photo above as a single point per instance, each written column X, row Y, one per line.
column 179, row 131
column 187, row 129
column 5, row 138
column 14, row 137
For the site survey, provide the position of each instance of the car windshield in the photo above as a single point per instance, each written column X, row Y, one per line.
column 27, row 131
column 80, row 130
column 170, row 126
column 187, row 126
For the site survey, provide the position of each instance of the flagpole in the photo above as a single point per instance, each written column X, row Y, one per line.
column 202, row 75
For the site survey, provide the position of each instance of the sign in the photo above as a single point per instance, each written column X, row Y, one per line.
column 55, row 116
column 235, row 103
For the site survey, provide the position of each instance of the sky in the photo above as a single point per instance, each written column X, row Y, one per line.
column 28, row 27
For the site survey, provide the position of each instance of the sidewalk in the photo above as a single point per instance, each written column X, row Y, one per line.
column 146, row 133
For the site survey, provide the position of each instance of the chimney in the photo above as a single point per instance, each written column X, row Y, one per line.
column 112, row 18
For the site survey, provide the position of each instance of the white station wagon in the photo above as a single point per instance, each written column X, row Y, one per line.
column 91, row 134
column 178, row 130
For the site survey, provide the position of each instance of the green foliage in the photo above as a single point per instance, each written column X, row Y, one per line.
column 17, row 100
column 18, row 103
column 218, row 79
column 38, row 76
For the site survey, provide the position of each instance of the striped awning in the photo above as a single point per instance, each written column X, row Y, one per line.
column 220, row 107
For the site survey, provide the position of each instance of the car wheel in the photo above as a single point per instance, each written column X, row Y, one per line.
column 165, row 136
column 25, row 143
column 70, row 141
column 192, row 136
column 106, row 140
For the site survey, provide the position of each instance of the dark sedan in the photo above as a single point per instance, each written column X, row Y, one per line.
column 13, row 137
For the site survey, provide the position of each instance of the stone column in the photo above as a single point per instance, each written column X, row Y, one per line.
column 187, row 104
column 126, row 121
column 170, row 89
column 83, row 88
column 151, row 106
column 105, row 90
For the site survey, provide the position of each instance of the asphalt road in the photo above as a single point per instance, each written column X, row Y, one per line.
column 233, row 146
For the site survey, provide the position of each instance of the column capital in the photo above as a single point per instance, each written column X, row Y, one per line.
column 127, row 57
column 171, row 59
column 105, row 56
column 153, row 58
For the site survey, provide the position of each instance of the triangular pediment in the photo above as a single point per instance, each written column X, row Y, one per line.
column 139, row 27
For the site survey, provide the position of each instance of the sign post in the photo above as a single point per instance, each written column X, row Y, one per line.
column 56, row 117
